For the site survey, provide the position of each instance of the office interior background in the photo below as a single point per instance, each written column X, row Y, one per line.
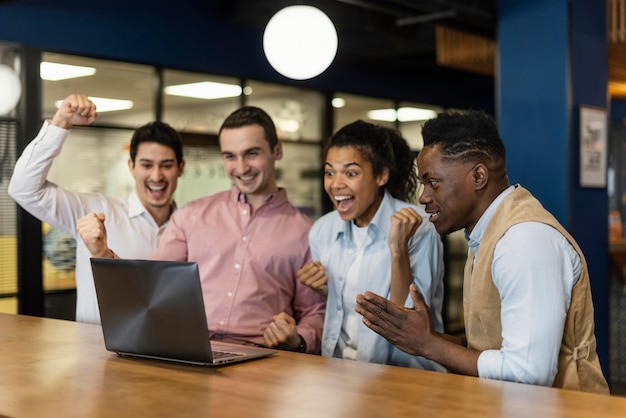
column 534, row 65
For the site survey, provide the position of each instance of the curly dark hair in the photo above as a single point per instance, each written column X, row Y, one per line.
column 383, row 148
column 470, row 136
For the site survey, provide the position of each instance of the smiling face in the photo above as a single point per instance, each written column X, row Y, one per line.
column 156, row 174
column 249, row 161
column 449, row 193
column 351, row 184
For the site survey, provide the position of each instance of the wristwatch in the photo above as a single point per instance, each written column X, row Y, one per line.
column 302, row 347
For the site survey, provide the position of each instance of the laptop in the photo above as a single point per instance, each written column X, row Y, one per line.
column 155, row 309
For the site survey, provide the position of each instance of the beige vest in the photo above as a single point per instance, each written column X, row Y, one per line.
column 578, row 365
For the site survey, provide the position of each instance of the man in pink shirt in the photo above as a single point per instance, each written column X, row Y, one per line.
column 249, row 243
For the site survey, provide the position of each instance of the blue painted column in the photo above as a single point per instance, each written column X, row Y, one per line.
column 553, row 58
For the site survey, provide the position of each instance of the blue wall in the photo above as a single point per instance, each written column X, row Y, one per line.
column 187, row 36
column 553, row 58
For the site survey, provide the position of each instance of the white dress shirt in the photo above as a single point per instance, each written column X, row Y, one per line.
column 131, row 230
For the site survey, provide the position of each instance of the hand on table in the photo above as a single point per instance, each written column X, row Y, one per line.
column 282, row 333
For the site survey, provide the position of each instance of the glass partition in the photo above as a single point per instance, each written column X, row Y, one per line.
column 198, row 103
column 411, row 119
column 126, row 92
column 10, row 67
column 296, row 112
column 349, row 108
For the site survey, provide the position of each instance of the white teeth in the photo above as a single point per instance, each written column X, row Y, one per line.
column 246, row 178
column 341, row 198
column 156, row 188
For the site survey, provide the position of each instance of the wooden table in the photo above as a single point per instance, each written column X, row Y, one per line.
column 53, row 368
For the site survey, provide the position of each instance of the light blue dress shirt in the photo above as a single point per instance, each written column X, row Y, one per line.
column 332, row 244
column 534, row 270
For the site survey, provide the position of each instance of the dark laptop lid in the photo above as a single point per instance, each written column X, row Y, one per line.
column 152, row 308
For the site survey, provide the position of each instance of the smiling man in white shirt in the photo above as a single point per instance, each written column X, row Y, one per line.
column 134, row 223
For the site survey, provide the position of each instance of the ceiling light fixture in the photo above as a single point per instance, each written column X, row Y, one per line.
column 338, row 102
column 52, row 71
column 300, row 42
column 207, row 90
column 104, row 104
column 288, row 125
column 403, row 114
column 11, row 88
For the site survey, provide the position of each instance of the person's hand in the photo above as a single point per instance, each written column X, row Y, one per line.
column 76, row 109
column 412, row 331
column 94, row 234
column 314, row 276
column 409, row 329
column 404, row 223
column 282, row 333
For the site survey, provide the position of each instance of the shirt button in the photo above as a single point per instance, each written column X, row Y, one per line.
column 244, row 238
column 221, row 322
column 244, row 212
column 237, row 266
column 230, row 294
column 350, row 251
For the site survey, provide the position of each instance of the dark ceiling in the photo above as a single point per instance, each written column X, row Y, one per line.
column 378, row 34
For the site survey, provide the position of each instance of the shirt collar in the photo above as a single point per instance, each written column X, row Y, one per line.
column 477, row 233
column 275, row 199
column 136, row 208
column 381, row 221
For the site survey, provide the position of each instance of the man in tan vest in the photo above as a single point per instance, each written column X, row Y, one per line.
column 526, row 297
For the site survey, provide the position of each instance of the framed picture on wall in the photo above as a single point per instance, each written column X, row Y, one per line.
column 593, row 146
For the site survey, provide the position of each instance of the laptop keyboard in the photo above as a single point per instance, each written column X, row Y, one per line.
column 223, row 354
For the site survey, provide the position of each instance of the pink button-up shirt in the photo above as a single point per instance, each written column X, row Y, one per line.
column 247, row 264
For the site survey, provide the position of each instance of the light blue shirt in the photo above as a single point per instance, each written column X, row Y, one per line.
column 332, row 244
column 534, row 269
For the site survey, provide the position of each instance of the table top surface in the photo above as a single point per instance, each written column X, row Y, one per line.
column 61, row 368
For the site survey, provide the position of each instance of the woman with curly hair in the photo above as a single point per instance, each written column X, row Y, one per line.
column 375, row 240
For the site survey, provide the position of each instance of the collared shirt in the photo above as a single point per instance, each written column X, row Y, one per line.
column 333, row 245
column 533, row 308
column 248, row 264
column 131, row 230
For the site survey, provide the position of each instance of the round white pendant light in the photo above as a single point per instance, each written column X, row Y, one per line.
column 11, row 88
column 300, row 42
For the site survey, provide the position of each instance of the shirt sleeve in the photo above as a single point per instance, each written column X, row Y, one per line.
column 41, row 198
column 426, row 256
column 173, row 243
column 534, row 270
column 314, row 240
column 309, row 307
